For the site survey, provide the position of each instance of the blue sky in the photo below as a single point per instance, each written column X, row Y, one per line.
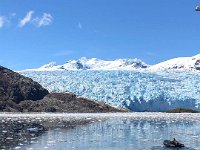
column 35, row 32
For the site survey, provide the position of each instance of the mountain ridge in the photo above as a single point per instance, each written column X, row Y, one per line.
column 175, row 64
column 94, row 64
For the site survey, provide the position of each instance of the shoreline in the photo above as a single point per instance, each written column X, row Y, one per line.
column 83, row 116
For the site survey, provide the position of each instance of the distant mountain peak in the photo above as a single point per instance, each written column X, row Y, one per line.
column 175, row 64
column 50, row 65
column 95, row 64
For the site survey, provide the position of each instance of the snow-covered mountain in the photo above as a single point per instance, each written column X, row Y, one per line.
column 94, row 64
column 176, row 64
column 180, row 64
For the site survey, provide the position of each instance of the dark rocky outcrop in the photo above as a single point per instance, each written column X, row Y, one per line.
column 22, row 94
column 173, row 144
column 9, row 106
column 68, row 102
column 182, row 110
column 16, row 87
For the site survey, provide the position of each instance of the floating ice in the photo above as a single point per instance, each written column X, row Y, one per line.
column 119, row 131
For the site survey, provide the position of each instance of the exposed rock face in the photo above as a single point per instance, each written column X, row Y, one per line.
column 22, row 94
column 68, row 102
column 197, row 65
column 16, row 87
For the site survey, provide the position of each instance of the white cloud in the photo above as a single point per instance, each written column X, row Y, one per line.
column 80, row 25
column 2, row 21
column 26, row 19
column 45, row 20
column 38, row 21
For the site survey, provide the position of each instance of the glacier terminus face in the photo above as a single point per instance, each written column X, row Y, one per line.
column 135, row 90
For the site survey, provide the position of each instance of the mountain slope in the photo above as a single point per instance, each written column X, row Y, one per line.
column 67, row 102
column 16, row 87
column 180, row 64
column 21, row 94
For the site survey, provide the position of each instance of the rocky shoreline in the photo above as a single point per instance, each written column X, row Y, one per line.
column 182, row 110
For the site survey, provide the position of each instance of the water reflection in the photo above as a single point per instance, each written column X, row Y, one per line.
column 16, row 133
column 19, row 132
column 122, row 134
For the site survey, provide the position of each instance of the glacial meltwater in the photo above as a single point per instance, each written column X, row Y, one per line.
column 108, row 131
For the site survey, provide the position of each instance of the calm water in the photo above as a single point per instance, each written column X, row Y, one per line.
column 132, row 131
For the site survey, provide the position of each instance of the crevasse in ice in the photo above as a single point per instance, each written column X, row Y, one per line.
column 137, row 91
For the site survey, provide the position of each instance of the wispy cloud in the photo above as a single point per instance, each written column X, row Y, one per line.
column 2, row 21
column 45, row 20
column 80, row 25
column 63, row 53
column 26, row 19
column 38, row 21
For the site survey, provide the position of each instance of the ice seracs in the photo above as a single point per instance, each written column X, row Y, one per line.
column 137, row 91
column 178, row 64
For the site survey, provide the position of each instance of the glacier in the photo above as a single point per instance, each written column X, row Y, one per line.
column 134, row 90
